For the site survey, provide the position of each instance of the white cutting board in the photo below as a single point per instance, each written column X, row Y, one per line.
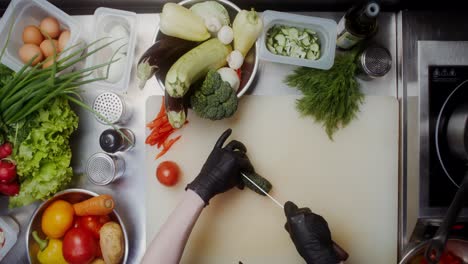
column 352, row 182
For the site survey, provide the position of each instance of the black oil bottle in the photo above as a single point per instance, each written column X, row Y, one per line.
column 359, row 23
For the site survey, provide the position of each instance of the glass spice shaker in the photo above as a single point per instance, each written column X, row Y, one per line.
column 121, row 140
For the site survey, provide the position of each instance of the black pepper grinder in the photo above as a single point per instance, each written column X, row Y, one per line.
column 112, row 140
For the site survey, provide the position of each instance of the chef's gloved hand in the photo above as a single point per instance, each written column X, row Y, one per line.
column 221, row 170
column 310, row 234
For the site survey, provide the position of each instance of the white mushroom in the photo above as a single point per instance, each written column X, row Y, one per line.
column 235, row 59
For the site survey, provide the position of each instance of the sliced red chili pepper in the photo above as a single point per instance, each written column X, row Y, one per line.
column 167, row 146
column 168, row 143
column 164, row 138
column 239, row 74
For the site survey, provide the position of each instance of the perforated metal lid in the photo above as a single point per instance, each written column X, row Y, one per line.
column 376, row 61
column 110, row 106
column 101, row 169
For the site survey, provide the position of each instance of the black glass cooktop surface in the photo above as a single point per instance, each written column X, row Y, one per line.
column 447, row 89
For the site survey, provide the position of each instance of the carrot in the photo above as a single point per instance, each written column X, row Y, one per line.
column 99, row 205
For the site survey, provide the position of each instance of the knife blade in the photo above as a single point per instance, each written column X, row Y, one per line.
column 342, row 254
column 263, row 191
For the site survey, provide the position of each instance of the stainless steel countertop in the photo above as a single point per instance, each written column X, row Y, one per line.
column 413, row 27
column 129, row 191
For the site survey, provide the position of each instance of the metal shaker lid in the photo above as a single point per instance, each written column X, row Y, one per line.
column 375, row 61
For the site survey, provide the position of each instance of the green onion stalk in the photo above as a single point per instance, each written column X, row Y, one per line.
column 32, row 87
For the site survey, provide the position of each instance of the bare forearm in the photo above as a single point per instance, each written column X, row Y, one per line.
column 168, row 245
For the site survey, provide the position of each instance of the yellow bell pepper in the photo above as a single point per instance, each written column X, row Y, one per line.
column 50, row 250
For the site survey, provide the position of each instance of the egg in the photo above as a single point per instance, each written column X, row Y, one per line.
column 63, row 39
column 50, row 26
column 28, row 51
column 49, row 46
column 47, row 63
column 32, row 35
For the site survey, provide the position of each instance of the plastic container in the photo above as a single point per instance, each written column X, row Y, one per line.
column 9, row 230
column 326, row 31
column 30, row 12
column 114, row 25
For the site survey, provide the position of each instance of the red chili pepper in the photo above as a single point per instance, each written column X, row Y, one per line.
column 239, row 74
column 161, row 130
column 167, row 146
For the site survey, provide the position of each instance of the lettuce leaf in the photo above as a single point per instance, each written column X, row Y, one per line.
column 43, row 157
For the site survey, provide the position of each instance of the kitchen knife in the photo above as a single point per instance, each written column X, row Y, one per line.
column 258, row 187
column 340, row 252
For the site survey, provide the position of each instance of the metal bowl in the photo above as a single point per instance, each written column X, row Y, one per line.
column 250, row 66
column 458, row 247
column 72, row 196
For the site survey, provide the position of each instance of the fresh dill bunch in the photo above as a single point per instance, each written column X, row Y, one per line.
column 332, row 97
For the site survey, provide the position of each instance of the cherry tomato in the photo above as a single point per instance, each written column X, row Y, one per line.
column 168, row 173
column 92, row 223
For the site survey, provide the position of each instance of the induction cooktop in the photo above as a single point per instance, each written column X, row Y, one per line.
column 448, row 87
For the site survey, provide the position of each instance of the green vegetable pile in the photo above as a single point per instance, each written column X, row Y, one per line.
column 43, row 156
column 293, row 42
column 215, row 99
column 332, row 97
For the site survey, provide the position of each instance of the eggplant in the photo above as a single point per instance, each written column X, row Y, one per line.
column 176, row 110
column 160, row 57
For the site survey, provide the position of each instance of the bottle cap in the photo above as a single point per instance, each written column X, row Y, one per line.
column 372, row 9
column 111, row 141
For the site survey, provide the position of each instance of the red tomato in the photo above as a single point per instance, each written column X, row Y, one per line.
column 79, row 246
column 168, row 173
column 92, row 223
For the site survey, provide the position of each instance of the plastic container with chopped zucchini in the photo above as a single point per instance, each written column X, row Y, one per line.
column 298, row 40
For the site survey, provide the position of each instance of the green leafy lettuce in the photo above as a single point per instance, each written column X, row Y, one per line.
column 43, row 152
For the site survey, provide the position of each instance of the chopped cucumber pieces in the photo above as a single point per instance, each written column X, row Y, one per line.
column 293, row 42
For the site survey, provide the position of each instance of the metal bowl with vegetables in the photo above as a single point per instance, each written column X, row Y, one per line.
column 204, row 57
column 53, row 249
column 455, row 252
column 172, row 48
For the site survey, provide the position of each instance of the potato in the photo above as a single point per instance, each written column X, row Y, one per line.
column 112, row 243
column 98, row 261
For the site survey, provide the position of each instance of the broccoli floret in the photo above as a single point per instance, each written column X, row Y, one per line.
column 215, row 99
column 211, row 83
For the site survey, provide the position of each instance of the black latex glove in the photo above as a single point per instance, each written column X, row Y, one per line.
column 221, row 170
column 310, row 234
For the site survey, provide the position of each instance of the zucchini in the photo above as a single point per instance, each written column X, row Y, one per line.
column 293, row 42
column 178, row 21
column 259, row 180
column 195, row 64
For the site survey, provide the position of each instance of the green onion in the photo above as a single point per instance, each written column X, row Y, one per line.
column 32, row 87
